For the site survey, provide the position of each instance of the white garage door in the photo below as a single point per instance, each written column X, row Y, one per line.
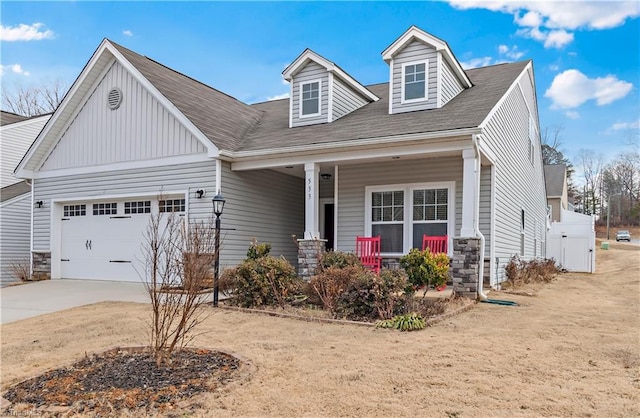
column 103, row 240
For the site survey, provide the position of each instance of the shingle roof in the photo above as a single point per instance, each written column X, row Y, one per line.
column 222, row 118
column 467, row 110
column 235, row 126
column 14, row 190
column 7, row 118
column 554, row 179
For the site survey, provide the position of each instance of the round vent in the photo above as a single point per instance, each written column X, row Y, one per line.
column 114, row 98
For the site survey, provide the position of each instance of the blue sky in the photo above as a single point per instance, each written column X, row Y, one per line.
column 586, row 54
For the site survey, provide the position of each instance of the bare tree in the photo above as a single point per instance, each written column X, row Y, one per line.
column 552, row 154
column 592, row 165
column 177, row 259
column 34, row 100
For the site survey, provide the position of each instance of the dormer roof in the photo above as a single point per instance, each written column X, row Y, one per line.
column 415, row 33
column 308, row 55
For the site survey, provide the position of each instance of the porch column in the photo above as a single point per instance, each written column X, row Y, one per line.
column 311, row 199
column 469, row 190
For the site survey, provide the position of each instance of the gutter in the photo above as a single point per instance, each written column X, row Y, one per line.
column 476, row 223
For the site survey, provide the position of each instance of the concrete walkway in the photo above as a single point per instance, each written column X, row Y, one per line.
column 38, row 298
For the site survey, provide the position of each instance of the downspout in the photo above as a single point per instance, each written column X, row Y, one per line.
column 31, row 228
column 476, row 221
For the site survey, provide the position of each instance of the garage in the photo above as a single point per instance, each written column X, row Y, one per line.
column 103, row 239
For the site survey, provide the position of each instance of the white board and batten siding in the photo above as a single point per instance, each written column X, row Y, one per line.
column 355, row 178
column 140, row 129
column 311, row 72
column 15, row 236
column 16, row 140
column 415, row 51
column 519, row 182
column 345, row 100
column 261, row 204
column 450, row 87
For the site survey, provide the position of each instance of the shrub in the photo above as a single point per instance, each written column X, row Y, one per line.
column 339, row 259
column 520, row 272
column 332, row 282
column 407, row 322
column 425, row 269
column 261, row 279
column 426, row 307
column 369, row 296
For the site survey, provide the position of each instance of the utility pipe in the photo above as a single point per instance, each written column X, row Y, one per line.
column 476, row 227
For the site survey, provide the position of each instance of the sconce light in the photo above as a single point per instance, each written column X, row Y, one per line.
column 39, row 203
column 325, row 176
column 199, row 193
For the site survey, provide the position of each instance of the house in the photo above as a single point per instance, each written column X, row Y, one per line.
column 435, row 149
column 17, row 134
column 555, row 178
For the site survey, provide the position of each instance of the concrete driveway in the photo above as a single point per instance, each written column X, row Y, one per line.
column 38, row 298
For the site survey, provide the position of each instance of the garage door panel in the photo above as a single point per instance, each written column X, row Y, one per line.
column 104, row 246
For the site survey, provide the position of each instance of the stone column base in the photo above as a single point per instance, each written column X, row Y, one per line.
column 309, row 253
column 41, row 267
column 465, row 266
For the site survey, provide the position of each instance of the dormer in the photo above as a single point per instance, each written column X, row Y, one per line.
column 321, row 92
column 424, row 73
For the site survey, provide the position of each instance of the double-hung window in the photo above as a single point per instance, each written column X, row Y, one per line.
column 310, row 99
column 402, row 214
column 387, row 219
column 414, row 81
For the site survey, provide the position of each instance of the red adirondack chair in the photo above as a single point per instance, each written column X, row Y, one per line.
column 368, row 251
column 435, row 244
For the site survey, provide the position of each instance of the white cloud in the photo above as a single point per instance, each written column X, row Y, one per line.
column 554, row 67
column 22, row 32
column 572, row 114
column 558, row 39
column 127, row 32
column 550, row 21
column 278, row 96
column 511, row 53
column 571, row 89
column 476, row 62
column 14, row 68
column 626, row 125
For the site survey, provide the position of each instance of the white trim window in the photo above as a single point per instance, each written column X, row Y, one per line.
column 414, row 81
column 402, row 214
column 310, row 98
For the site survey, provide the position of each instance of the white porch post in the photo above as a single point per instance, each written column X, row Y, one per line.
column 311, row 199
column 469, row 190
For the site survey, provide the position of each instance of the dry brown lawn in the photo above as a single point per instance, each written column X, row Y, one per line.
column 571, row 350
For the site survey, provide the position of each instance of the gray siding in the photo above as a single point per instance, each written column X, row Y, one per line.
column 265, row 205
column 310, row 72
column 354, row 178
column 16, row 140
column 450, row 87
column 141, row 128
column 415, row 51
column 15, row 237
column 485, row 208
column 345, row 100
column 144, row 181
column 519, row 182
column 529, row 93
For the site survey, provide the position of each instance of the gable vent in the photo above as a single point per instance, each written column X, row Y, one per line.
column 114, row 98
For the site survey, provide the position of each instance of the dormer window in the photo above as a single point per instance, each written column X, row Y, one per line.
column 310, row 99
column 414, row 85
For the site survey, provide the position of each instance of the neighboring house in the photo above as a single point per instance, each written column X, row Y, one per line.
column 434, row 150
column 571, row 236
column 17, row 134
column 555, row 178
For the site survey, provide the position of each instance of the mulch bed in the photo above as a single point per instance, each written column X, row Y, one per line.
column 123, row 380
